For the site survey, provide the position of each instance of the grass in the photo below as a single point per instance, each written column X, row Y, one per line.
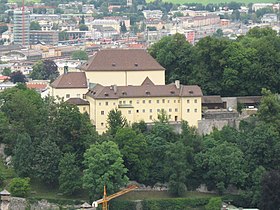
column 205, row 2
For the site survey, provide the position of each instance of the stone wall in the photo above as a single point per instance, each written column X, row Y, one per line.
column 206, row 126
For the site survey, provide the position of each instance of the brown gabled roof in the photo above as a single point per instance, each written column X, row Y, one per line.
column 249, row 99
column 77, row 101
column 71, row 80
column 212, row 100
column 144, row 90
column 121, row 59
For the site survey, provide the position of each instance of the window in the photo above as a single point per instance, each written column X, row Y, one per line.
column 102, row 112
column 158, row 110
column 158, row 101
column 130, row 102
column 114, row 103
column 67, row 95
column 176, row 110
column 99, row 103
column 120, row 102
column 102, row 124
column 195, row 100
column 143, row 101
column 168, row 101
column 84, row 108
column 188, row 101
column 84, row 96
column 129, row 111
column 123, row 102
column 188, row 110
column 151, row 110
column 78, row 95
column 143, row 110
column 151, row 117
column 169, row 116
column 137, row 111
column 137, row 101
column 170, row 110
column 178, row 101
column 163, row 101
column 195, row 110
column 106, row 103
column 150, row 101
column 174, row 101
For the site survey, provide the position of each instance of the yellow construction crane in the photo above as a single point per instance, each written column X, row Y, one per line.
column 104, row 201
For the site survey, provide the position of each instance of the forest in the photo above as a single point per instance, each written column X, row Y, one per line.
column 221, row 66
column 55, row 144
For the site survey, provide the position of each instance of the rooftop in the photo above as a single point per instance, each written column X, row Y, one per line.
column 120, row 60
column 71, row 80
column 146, row 89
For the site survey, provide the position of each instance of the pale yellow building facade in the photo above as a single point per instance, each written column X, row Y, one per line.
column 181, row 103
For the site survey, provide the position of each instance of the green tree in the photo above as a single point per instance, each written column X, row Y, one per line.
column 269, row 109
column 44, row 70
column 133, row 147
column 103, row 166
column 19, row 187
column 46, row 161
column 83, row 27
column 3, row 29
column 7, row 71
column 175, row 54
column 214, row 204
column 63, row 35
column 18, row 77
column 34, row 25
column 177, row 168
column 23, row 155
column 123, row 28
column 219, row 33
column 79, row 55
column 115, row 121
column 270, row 192
column 70, row 176
column 222, row 165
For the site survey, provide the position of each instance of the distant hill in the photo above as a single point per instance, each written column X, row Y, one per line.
column 215, row 1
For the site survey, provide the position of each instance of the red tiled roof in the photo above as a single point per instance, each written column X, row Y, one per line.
column 145, row 90
column 121, row 59
column 36, row 86
column 71, row 80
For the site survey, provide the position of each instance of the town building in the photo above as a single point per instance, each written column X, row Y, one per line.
column 123, row 67
column 44, row 37
column 145, row 102
column 21, row 26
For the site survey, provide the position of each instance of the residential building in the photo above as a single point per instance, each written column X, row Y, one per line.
column 258, row 6
column 123, row 67
column 21, row 26
column 44, row 37
column 152, row 14
column 71, row 64
column 145, row 102
column 269, row 18
column 70, row 85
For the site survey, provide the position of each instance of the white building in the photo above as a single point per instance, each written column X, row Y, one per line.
column 152, row 14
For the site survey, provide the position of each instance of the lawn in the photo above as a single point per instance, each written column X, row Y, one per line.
column 205, row 2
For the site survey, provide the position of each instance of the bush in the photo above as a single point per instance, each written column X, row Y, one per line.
column 122, row 204
column 214, row 204
column 2, row 178
column 20, row 187
column 175, row 203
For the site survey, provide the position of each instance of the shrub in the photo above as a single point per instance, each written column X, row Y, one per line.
column 214, row 204
column 20, row 187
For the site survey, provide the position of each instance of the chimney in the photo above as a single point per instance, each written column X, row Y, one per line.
column 115, row 89
column 177, row 84
column 65, row 69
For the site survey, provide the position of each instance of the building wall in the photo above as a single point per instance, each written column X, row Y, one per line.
column 84, row 108
column 73, row 92
column 122, row 78
column 147, row 109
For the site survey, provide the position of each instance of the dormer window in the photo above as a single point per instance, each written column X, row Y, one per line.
column 124, row 93
column 136, row 64
column 148, row 93
column 113, row 64
column 190, row 92
column 106, row 94
column 172, row 92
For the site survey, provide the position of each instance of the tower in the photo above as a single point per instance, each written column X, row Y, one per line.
column 21, row 26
